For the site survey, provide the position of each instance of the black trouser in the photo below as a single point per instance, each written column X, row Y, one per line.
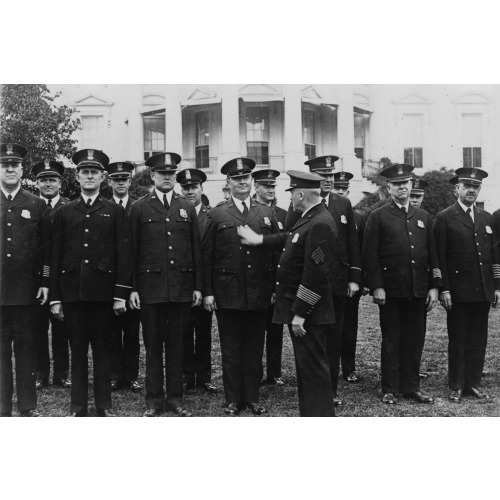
column 89, row 323
column 334, row 340
column 350, row 334
column 17, row 326
column 242, row 344
column 164, row 326
column 60, row 347
column 125, row 346
column 467, row 338
column 402, row 322
column 198, row 347
column 274, row 347
column 313, row 371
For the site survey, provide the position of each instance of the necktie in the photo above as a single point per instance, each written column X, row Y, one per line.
column 245, row 208
column 121, row 203
column 323, row 200
column 49, row 205
column 9, row 198
column 469, row 213
column 403, row 209
column 89, row 202
column 165, row 202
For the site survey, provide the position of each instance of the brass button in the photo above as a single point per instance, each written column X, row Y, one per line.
column 86, row 262
column 86, row 230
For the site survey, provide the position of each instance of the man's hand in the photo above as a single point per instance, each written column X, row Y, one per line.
column 249, row 236
column 209, row 303
column 497, row 298
column 197, row 298
column 445, row 299
column 57, row 311
column 119, row 306
column 43, row 295
column 432, row 299
column 134, row 300
column 352, row 288
column 379, row 296
column 298, row 326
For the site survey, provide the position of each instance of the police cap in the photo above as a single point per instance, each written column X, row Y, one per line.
column 164, row 162
column 304, row 180
column 47, row 168
column 12, row 153
column 90, row 158
column 398, row 172
column 120, row 170
column 322, row 164
column 190, row 176
column 238, row 167
column 266, row 176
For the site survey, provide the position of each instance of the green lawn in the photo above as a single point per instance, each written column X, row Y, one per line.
column 362, row 400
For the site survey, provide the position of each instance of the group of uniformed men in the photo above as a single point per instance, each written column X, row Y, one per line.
column 97, row 268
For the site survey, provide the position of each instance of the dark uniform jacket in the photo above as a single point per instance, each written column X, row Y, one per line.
column 61, row 202
column 167, row 250
column 303, row 276
column 360, row 228
column 468, row 254
column 399, row 253
column 91, row 252
column 203, row 218
column 239, row 277
column 347, row 257
column 25, row 248
column 280, row 216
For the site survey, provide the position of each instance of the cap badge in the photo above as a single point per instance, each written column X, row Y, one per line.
column 416, row 183
column 119, row 167
column 168, row 160
column 47, row 164
column 10, row 149
column 342, row 176
column 188, row 175
column 473, row 173
column 270, row 175
column 400, row 169
column 90, row 154
column 239, row 164
column 328, row 161
column 183, row 213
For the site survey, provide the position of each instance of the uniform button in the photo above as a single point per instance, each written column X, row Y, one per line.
column 86, row 262
column 479, row 253
column 480, row 263
column 412, row 246
column 290, row 234
column 8, row 255
column 279, row 265
column 85, row 244
column 9, row 224
column 170, row 248
column 171, row 262
column 9, row 239
column 248, row 253
column 249, row 265
column 167, row 219
column 475, row 234
column 86, row 230
column 413, row 262
column 87, row 216
column 9, row 210
column 409, row 233
column 168, row 232
column 477, row 244
column 277, row 283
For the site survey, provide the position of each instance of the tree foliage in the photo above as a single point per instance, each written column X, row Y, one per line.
column 29, row 116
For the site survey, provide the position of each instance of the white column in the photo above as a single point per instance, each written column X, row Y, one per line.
column 345, row 131
column 135, row 142
column 173, row 120
column 293, row 147
column 230, row 141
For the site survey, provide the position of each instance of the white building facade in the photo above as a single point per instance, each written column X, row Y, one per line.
column 281, row 126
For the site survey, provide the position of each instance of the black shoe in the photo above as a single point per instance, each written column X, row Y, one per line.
column 29, row 413
column 152, row 412
column 41, row 384
column 188, row 386
column 82, row 413
column 62, row 382
column 180, row 411
column 133, row 385
column 337, row 401
column 232, row 409
column 389, row 399
column 485, row 373
column 423, row 375
column 455, row 396
column 256, row 409
column 275, row 381
column 419, row 397
column 115, row 385
column 100, row 412
column 476, row 392
column 353, row 378
column 210, row 388
column 6, row 414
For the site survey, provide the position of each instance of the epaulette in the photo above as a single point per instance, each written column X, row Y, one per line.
column 221, row 203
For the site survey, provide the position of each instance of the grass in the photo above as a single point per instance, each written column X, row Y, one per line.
column 362, row 399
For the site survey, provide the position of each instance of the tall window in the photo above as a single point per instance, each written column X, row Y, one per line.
column 257, row 121
column 412, row 137
column 154, row 133
column 471, row 140
column 359, row 136
column 309, row 133
column 202, row 139
column 92, row 132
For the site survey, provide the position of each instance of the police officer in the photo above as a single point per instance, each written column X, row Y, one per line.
column 417, row 191
column 470, row 262
column 303, row 295
column 24, row 273
column 239, row 286
column 125, row 339
column 341, row 182
column 198, row 337
column 265, row 193
column 168, row 280
column 402, row 272
column 92, row 262
column 346, row 276
column 48, row 180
